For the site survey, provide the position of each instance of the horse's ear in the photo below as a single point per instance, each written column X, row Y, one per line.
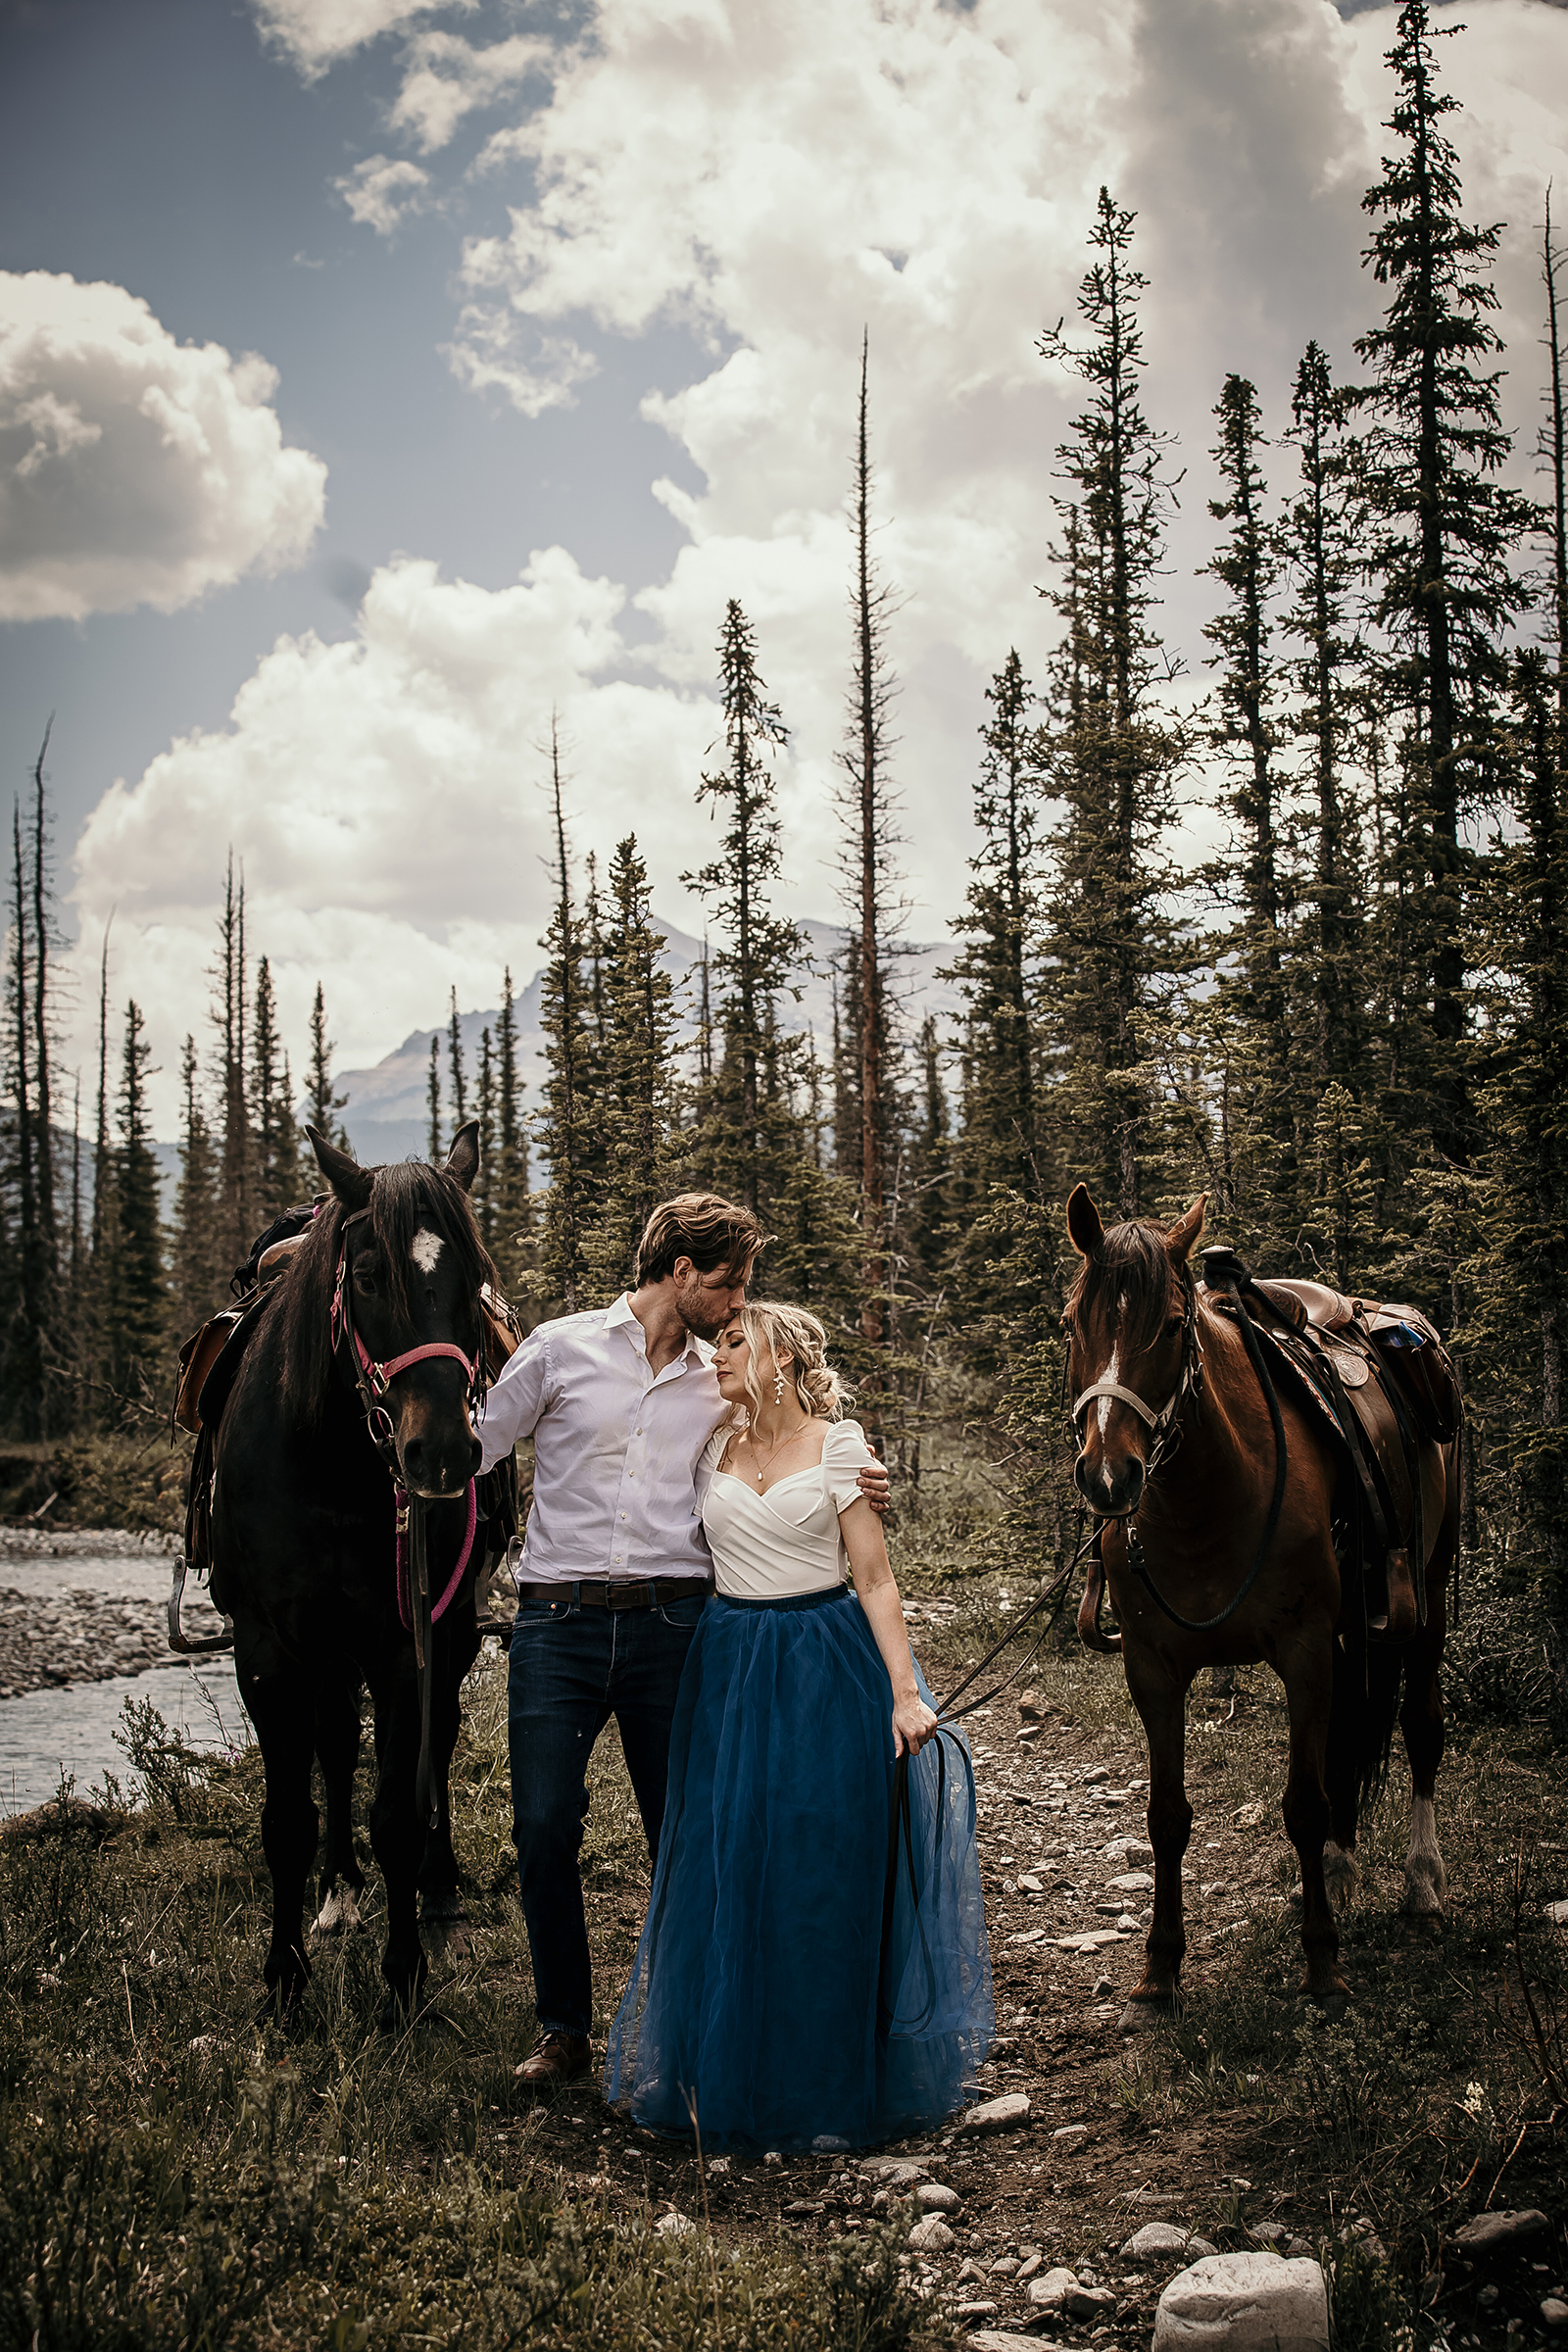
column 1184, row 1235
column 462, row 1161
column 348, row 1180
column 1083, row 1221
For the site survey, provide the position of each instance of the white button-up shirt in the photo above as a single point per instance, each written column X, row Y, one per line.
column 618, row 1482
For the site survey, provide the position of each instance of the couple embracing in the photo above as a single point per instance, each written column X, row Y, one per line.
column 704, row 1560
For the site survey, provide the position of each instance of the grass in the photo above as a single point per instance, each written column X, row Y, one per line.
column 172, row 2176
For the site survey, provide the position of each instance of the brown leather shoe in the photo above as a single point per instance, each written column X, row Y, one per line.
column 560, row 2059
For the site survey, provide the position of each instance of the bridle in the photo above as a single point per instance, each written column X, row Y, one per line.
column 1164, row 1423
column 1223, row 1272
column 371, row 1380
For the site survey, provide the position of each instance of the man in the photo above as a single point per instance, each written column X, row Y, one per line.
column 619, row 1402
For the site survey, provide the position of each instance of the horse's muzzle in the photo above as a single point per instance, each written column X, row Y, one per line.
column 1113, row 1489
column 439, row 1469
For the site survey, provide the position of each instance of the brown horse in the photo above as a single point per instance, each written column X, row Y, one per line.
column 1178, row 1462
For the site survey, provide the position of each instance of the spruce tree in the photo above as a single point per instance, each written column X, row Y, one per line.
column 1441, row 528
column 1112, row 753
column 274, row 1130
column 323, row 1102
column 197, row 1278
column 236, row 1180
column 634, row 1075
column 27, row 1353
column 871, row 893
column 512, row 1212
column 483, row 1193
column 1000, row 925
column 456, row 1070
column 567, row 1209
column 744, row 1114
column 1247, row 1015
column 432, row 1097
column 137, row 1294
column 1318, row 544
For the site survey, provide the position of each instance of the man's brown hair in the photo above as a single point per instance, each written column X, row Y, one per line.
column 711, row 1232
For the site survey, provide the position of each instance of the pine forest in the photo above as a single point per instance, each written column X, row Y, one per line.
column 1348, row 1027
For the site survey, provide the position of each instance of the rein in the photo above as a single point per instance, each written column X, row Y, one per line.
column 415, row 1611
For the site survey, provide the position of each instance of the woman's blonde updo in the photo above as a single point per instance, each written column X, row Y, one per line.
column 789, row 1331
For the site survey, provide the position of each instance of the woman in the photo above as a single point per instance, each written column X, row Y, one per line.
column 814, row 1970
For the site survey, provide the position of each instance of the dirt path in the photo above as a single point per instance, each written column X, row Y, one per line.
column 1224, row 2128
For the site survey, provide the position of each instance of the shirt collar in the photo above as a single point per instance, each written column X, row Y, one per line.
column 620, row 1314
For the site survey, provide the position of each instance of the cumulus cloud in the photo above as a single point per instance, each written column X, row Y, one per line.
column 384, row 796
column 382, row 193
column 314, row 35
column 776, row 179
column 135, row 469
column 446, row 78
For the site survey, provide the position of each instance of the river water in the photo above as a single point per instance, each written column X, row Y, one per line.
column 71, row 1728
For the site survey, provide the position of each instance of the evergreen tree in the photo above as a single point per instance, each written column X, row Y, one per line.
column 570, row 1204
column 433, row 1100
column 29, row 1351
column 633, row 1076
column 513, row 1207
column 871, row 893
column 236, row 1175
column 322, row 1103
column 744, row 1114
column 459, row 1081
column 1319, row 542
column 137, row 1294
column 197, row 1280
column 1000, row 924
column 482, row 1195
column 1249, row 1007
column 1111, row 754
column 1441, row 528
column 274, row 1130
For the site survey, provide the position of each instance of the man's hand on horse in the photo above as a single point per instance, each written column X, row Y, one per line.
column 873, row 1485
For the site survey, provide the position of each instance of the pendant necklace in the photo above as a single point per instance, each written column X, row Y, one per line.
column 778, row 1448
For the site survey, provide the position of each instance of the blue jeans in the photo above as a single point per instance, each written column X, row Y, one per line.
column 572, row 1669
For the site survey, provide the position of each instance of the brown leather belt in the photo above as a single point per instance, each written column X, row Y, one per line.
column 621, row 1591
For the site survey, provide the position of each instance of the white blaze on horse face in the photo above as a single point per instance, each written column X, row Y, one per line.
column 426, row 1248
column 1112, row 1370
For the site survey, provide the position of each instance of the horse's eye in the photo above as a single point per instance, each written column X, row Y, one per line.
column 365, row 1274
column 1174, row 1324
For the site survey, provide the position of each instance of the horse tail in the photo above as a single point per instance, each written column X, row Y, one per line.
column 1385, row 1676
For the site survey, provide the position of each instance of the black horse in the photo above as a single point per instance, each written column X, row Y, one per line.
column 361, row 1376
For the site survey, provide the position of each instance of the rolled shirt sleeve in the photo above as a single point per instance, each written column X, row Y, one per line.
column 517, row 1399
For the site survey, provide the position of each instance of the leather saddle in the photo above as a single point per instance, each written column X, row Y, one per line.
column 1379, row 1375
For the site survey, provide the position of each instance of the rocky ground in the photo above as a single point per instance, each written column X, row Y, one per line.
column 65, row 1627
column 1037, row 2223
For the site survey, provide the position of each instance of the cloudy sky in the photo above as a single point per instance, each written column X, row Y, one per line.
column 377, row 374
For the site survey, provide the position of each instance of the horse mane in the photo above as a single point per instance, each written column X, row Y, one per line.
column 1135, row 1260
column 404, row 1196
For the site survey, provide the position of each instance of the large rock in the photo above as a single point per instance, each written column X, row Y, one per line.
column 1002, row 2339
column 998, row 2115
column 1157, row 2241
column 1051, row 2290
column 1243, row 2303
column 932, row 2236
column 1493, row 2237
column 935, row 2197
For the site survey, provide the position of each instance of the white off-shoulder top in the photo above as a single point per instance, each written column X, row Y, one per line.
column 766, row 1547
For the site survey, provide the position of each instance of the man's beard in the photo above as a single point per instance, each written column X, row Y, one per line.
column 703, row 1313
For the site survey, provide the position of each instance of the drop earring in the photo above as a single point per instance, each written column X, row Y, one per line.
column 778, row 1386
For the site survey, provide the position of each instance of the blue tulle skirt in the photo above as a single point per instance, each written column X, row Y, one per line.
column 784, row 1985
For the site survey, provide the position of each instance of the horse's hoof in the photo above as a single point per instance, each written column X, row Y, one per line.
column 1148, row 2009
column 442, row 1910
column 1330, row 2006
